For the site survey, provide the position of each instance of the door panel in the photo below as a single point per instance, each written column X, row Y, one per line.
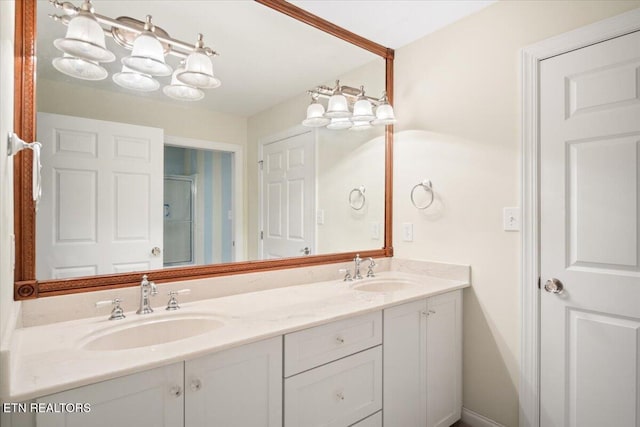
column 288, row 196
column 590, row 138
column 101, row 208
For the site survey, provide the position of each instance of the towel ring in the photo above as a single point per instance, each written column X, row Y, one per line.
column 428, row 187
column 359, row 192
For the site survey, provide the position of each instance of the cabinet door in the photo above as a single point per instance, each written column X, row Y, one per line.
column 151, row 398
column 240, row 387
column 405, row 378
column 444, row 359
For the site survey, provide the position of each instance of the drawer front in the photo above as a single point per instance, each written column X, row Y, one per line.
column 313, row 347
column 337, row 394
column 374, row 420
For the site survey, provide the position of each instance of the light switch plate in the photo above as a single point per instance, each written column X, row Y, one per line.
column 374, row 228
column 320, row 216
column 407, row 232
column 511, row 219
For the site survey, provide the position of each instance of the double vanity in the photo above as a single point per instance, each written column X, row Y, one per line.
column 379, row 350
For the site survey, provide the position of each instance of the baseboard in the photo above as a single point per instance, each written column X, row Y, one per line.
column 476, row 420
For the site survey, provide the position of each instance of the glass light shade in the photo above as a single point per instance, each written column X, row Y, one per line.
column 79, row 68
column 198, row 71
column 85, row 39
column 360, row 125
column 339, row 123
column 315, row 116
column 363, row 111
column 338, row 107
column 130, row 79
column 384, row 115
column 180, row 91
column 147, row 56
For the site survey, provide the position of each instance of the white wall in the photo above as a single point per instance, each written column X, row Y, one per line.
column 457, row 101
column 7, row 305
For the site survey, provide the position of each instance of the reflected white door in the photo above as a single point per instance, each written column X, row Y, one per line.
column 288, row 196
column 101, row 209
column 590, row 149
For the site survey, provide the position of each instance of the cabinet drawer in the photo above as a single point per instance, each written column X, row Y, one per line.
column 313, row 347
column 374, row 420
column 337, row 394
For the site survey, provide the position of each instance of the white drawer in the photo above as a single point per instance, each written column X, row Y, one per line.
column 374, row 420
column 313, row 347
column 335, row 395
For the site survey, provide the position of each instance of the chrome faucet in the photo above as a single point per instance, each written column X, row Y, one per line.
column 147, row 290
column 372, row 264
column 356, row 274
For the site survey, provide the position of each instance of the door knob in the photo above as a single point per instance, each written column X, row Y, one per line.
column 155, row 251
column 554, row 286
column 306, row 250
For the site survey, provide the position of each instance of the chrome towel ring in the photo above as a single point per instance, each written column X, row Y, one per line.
column 356, row 198
column 426, row 186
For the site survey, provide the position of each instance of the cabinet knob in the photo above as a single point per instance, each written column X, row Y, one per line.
column 196, row 385
column 176, row 391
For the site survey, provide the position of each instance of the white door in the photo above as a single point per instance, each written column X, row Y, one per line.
column 288, row 197
column 101, row 208
column 151, row 398
column 590, row 149
column 240, row 387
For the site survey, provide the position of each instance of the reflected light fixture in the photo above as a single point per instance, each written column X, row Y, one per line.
column 79, row 68
column 181, row 91
column 133, row 80
column 338, row 116
column 84, row 49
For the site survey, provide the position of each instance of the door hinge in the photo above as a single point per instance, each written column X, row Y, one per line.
column 262, row 235
column 261, row 164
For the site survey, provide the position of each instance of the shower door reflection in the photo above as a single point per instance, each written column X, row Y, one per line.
column 198, row 206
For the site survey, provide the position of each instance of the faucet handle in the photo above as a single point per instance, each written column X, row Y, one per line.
column 117, row 313
column 173, row 302
column 347, row 275
column 372, row 264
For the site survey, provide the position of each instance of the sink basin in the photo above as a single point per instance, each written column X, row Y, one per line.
column 385, row 285
column 150, row 332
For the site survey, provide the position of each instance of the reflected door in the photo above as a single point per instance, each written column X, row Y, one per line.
column 288, row 197
column 101, row 207
column 179, row 197
column 590, row 318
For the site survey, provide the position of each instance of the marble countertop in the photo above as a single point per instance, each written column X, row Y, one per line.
column 50, row 358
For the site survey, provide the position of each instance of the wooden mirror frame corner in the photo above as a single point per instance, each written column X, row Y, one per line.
column 26, row 285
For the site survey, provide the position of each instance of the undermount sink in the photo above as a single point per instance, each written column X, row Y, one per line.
column 149, row 332
column 385, row 285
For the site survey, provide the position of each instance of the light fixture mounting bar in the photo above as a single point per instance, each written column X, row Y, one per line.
column 348, row 91
column 176, row 47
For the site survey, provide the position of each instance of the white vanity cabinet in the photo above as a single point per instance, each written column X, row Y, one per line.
column 423, row 362
column 152, row 398
column 334, row 373
column 239, row 387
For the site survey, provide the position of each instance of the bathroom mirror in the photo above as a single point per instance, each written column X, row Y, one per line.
column 216, row 201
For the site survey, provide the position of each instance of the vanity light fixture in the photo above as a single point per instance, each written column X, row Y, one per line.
column 338, row 115
column 181, row 91
column 84, row 48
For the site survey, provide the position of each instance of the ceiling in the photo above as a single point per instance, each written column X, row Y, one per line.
column 265, row 57
column 392, row 23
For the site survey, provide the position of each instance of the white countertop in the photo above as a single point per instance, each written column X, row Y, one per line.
column 47, row 359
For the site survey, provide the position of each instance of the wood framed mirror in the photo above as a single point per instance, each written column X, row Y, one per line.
column 29, row 285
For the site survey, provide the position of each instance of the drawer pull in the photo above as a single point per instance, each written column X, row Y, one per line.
column 196, row 385
column 340, row 340
column 340, row 396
